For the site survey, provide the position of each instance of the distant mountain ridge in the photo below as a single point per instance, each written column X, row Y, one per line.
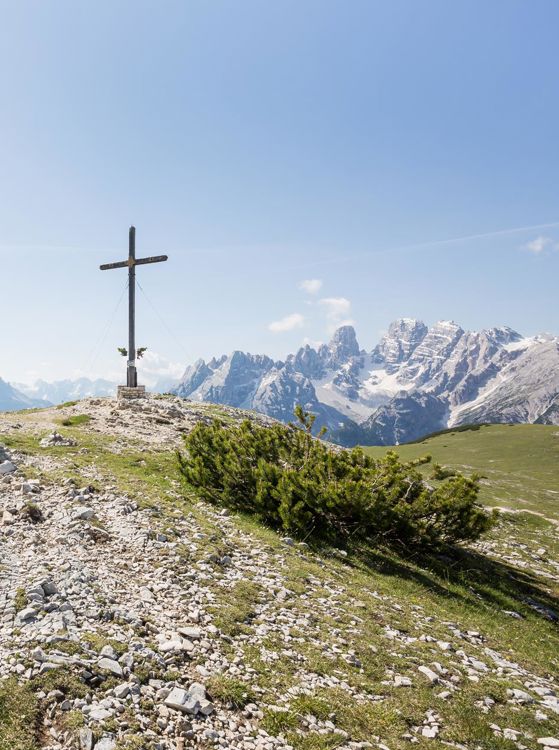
column 41, row 393
column 68, row 390
column 415, row 381
column 12, row 399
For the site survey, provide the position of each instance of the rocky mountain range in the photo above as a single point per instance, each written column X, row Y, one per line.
column 60, row 391
column 13, row 399
column 415, row 381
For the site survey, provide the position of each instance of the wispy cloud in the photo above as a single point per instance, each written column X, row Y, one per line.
column 541, row 244
column 338, row 311
column 313, row 343
column 336, row 307
column 538, row 245
column 154, row 367
column 311, row 286
column 289, row 323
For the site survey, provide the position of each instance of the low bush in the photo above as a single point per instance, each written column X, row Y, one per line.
column 76, row 420
column 32, row 512
column 301, row 486
column 442, row 472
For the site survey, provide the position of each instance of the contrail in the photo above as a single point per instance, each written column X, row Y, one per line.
column 514, row 230
column 431, row 243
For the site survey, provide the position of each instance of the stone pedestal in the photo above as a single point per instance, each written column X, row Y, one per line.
column 124, row 392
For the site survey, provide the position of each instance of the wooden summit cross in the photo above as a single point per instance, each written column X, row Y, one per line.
column 131, row 263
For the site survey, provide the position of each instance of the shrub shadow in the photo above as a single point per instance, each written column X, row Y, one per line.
column 467, row 575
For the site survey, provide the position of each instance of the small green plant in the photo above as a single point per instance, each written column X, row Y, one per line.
column 63, row 679
column 68, row 647
column 76, row 420
column 20, row 600
column 110, row 725
column 66, row 403
column 142, row 672
column 234, row 617
column 73, row 721
column 32, row 512
column 276, row 722
column 234, row 693
column 442, row 472
column 96, row 642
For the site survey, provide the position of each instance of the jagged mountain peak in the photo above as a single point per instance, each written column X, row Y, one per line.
column 343, row 344
column 403, row 337
column 488, row 375
column 502, row 334
column 447, row 325
column 344, row 335
column 403, row 324
column 309, row 361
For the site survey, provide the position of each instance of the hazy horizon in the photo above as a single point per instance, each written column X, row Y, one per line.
column 154, row 369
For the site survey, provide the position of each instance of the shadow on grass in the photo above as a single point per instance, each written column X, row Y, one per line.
column 466, row 575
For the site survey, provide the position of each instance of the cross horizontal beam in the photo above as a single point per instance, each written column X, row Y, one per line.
column 108, row 266
column 134, row 262
column 153, row 259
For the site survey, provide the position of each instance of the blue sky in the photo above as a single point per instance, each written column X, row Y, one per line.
column 264, row 144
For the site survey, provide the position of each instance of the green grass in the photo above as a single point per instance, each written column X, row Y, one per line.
column 63, row 679
column 19, row 715
column 76, row 420
column 20, row 601
column 230, row 691
column 519, row 463
column 233, row 617
column 96, row 642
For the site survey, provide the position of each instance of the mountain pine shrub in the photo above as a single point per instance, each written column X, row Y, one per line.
column 300, row 486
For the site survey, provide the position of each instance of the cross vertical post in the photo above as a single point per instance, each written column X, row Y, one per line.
column 132, row 387
column 131, row 372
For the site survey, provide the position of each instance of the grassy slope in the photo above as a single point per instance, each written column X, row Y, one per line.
column 519, row 463
column 374, row 589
